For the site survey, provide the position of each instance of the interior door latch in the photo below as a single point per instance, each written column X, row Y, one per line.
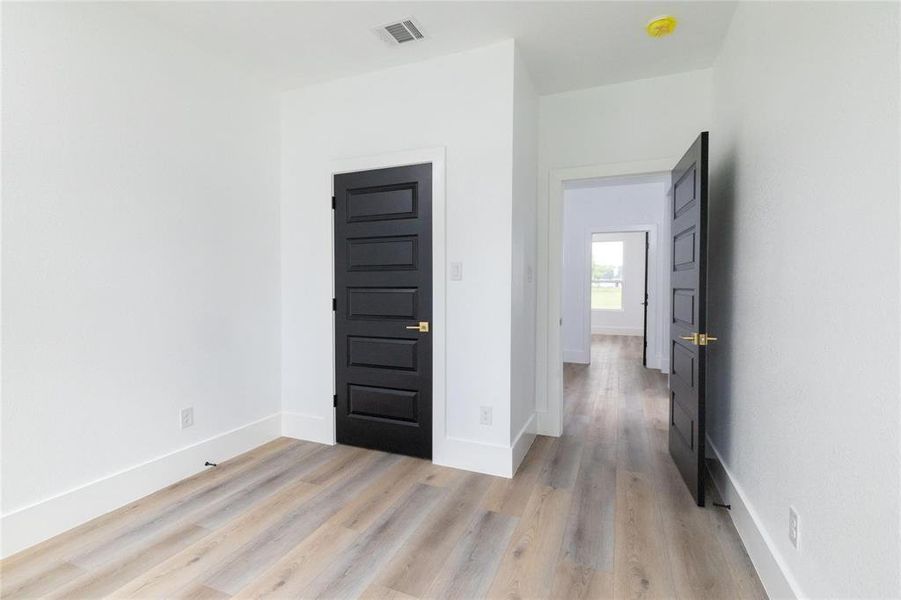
column 699, row 339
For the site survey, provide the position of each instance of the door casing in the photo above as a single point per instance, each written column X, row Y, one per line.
column 436, row 156
column 549, row 361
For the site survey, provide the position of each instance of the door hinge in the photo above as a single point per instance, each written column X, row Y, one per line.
column 335, row 400
column 334, row 304
column 333, row 203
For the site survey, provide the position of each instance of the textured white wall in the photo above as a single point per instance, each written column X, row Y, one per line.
column 140, row 247
column 525, row 229
column 463, row 102
column 804, row 238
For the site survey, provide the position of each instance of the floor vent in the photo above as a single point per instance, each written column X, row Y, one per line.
column 401, row 32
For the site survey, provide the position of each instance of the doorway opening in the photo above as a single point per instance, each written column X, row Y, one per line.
column 614, row 266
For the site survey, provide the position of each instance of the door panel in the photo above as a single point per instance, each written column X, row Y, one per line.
column 383, row 286
column 688, row 279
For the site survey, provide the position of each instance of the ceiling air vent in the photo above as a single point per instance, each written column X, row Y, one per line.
column 401, row 32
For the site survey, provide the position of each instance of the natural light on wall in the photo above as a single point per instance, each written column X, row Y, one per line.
column 606, row 275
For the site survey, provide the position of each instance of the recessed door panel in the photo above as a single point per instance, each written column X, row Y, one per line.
column 684, row 250
column 382, row 202
column 385, row 404
column 682, row 423
column 684, row 307
column 683, row 364
column 684, row 191
column 382, row 353
column 382, row 303
column 382, row 253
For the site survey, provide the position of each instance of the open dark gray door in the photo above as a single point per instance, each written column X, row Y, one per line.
column 689, row 316
column 383, row 309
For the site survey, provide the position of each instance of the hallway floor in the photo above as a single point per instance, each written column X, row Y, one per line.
column 600, row 512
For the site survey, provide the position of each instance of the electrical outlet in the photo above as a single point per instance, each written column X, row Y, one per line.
column 187, row 417
column 456, row 271
column 485, row 415
column 794, row 528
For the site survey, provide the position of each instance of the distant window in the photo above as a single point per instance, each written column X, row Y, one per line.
column 607, row 275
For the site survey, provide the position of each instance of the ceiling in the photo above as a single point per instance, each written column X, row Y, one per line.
column 566, row 45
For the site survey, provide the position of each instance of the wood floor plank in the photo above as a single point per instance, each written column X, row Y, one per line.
column 588, row 541
column 531, row 558
column 358, row 566
column 50, row 579
column 573, row 582
column 562, row 466
column 472, row 565
column 179, row 511
column 292, row 573
column 380, row 592
column 416, row 565
column 510, row 496
column 252, row 559
column 363, row 510
column 119, row 571
column 641, row 569
column 187, row 569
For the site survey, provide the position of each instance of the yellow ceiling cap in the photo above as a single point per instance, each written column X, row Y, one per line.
column 661, row 26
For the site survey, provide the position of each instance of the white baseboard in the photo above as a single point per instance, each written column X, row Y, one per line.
column 580, row 357
column 614, row 330
column 37, row 522
column 547, row 423
column 307, row 427
column 523, row 441
column 472, row 455
column 774, row 573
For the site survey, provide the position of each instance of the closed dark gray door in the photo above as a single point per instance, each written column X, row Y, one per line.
column 689, row 316
column 383, row 309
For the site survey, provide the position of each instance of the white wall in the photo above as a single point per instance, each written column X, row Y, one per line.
column 629, row 320
column 616, row 204
column 140, row 261
column 464, row 103
column 642, row 120
column 525, row 228
column 804, row 235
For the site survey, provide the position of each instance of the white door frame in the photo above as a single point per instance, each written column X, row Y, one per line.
column 653, row 245
column 436, row 156
column 549, row 362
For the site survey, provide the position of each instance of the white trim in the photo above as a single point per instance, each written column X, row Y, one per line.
column 442, row 447
column 772, row 569
column 307, row 427
column 578, row 357
column 523, row 442
column 549, row 365
column 37, row 522
column 473, row 455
